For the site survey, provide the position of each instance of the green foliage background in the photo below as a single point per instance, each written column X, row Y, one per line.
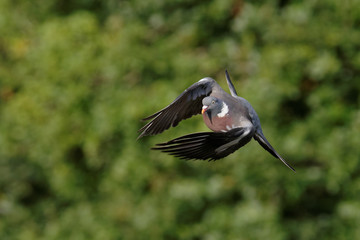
column 76, row 77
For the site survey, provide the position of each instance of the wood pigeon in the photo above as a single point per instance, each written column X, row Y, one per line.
column 232, row 119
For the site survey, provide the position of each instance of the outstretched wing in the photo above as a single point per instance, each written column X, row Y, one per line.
column 259, row 136
column 184, row 106
column 207, row 145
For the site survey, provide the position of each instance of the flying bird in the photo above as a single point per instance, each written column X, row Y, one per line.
column 232, row 119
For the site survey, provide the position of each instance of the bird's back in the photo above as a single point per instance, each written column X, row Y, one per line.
column 250, row 112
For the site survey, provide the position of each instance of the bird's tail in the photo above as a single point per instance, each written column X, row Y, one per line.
column 266, row 145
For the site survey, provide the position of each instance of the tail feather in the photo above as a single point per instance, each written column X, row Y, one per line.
column 267, row 146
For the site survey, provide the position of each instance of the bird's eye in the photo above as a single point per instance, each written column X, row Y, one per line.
column 213, row 102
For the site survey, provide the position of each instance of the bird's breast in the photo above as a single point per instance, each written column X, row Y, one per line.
column 219, row 124
column 225, row 123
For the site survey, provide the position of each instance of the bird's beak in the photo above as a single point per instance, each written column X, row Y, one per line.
column 203, row 109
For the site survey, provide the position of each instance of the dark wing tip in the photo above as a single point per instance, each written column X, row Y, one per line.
column 206, row 145
column 192, row 146
column 187, row 104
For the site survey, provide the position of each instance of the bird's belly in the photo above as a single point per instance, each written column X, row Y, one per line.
column 219, row 124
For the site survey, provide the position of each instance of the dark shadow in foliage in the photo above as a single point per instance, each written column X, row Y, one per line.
column 39, row 191
column 315, row 201
column 283, row 3
column 213, row 28
column 35, row 180
column 67, row 7
column 193, row 213
column 347, row 74
column 90, row 175
column 296, row 108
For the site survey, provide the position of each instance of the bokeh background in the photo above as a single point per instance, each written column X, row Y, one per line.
column 77, row 76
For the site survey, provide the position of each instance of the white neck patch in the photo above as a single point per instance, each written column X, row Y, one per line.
column 224, row 110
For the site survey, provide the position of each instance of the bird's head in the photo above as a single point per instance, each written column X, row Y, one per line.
column 211, row 106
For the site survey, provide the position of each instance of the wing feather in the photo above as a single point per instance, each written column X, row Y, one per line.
column 205, row 145
column 189, row 103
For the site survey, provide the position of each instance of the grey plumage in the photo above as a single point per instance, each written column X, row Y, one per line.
column 232, row 118
column 184, row 106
